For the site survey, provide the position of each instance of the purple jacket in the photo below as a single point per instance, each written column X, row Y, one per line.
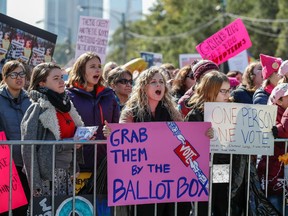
column 94, row 109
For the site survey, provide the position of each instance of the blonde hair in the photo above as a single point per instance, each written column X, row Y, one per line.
column 138, row 100
column 208, row 89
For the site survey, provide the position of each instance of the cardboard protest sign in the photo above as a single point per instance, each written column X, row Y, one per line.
column 92, row 36
column 241, row 128
column 158, row 162
column 188, row 59
column 24, row 42
column 226, row 43
column 18, row 195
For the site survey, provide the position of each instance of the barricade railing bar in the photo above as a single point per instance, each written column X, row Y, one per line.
column 194, row 205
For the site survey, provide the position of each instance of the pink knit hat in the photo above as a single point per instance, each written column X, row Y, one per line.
column 233, row 82
column 283, row 70
column 269, row 64
column 279, row 91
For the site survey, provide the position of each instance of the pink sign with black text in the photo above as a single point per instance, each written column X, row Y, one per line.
column 226, row 43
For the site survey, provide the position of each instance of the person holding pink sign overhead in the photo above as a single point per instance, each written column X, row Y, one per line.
column 270, row 66
column 150, row 101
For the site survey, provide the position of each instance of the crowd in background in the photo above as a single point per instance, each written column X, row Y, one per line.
column 47, row 108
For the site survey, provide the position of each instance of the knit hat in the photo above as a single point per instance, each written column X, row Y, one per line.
column 269, row 64
column 202, row 67
column 233, row 82
column 283, row 70
column 279, row 91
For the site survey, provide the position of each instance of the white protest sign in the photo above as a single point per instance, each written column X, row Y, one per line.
column 239, row 62
column 188, row 59
column 92, row 36
column 241, row 128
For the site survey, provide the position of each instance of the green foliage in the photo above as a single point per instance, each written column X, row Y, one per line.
column 175, row 27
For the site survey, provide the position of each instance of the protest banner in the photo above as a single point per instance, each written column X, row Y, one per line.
column 226, row 43
column 153, row 59
column 24, row 42
column 241, row 128
column 188, row 59
column 92, row 36
column 18, row 195
column 239, row 62
column 158, row 162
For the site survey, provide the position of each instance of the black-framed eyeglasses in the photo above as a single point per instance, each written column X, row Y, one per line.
column 125, row 81
column 225, row 91
column 191, row 76
column 14, row 75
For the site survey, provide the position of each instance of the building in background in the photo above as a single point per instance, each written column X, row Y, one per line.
column 3, row 6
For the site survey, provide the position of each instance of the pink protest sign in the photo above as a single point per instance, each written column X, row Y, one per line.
column 18, row 196
column 226, row 43
column 158, row 162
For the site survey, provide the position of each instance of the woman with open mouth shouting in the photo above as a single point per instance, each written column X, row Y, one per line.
column 150, row 101
column 96, row 104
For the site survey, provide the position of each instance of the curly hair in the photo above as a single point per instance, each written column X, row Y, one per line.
column 138, row 100
column 208, row 89
column 77, row 73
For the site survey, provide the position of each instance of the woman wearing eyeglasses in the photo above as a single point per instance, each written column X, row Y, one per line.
column 14, row 101
column 183, row 81
column 121, row 81
column 213, row 87
column 96, row 104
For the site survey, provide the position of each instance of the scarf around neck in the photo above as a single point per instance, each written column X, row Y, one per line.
column 60, row 101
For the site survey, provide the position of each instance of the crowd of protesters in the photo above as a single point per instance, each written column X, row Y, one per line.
column 49, row 109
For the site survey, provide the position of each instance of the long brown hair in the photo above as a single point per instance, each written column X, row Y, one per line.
column 77, row 73
column 208, row 89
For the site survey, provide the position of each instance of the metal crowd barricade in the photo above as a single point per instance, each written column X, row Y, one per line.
column 194, row 205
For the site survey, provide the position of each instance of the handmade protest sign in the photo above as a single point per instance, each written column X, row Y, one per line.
column 241, row 128
column 23, row 42
column 226, row 43
column 188, row 59
column 158, row 162
column 92, row 36
column 18, row 195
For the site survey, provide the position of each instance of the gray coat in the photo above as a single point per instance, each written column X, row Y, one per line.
column 11, row 114
column 40, row 123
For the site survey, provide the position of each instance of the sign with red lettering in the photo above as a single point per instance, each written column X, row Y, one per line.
column 18, row 196
column 146, row 164
column 241, row 128
column 226, row 43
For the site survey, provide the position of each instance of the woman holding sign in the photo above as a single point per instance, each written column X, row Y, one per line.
column 14, row 101
column 150, row 101
column 213, row 87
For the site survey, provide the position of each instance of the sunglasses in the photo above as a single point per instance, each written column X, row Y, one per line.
column 191, row 76
column 14, row 75
column 125, row 81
